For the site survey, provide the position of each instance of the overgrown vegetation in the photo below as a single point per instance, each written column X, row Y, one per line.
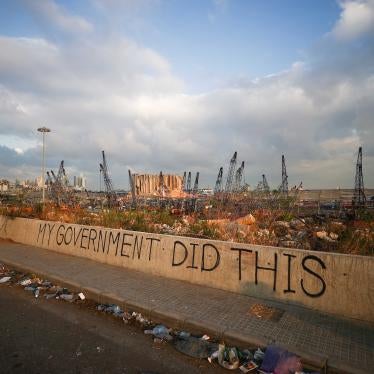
column 276, row 227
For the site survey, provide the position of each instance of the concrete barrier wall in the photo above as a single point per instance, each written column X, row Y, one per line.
column 333, row 283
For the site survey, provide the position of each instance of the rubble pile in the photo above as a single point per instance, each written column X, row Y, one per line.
column 278, row 227
column 310, row 233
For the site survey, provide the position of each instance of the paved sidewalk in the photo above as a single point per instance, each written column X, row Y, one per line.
column 347, row 345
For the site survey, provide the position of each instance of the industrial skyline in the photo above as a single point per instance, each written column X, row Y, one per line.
column 159, row 91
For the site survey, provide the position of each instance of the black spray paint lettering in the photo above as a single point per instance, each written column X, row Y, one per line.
column 151, row 240
column 273, row 269
column 44, row 229
column 83, row 237
column 68, row 237
column 97, row 240
column 240, row 250
column 50, row 229
column 185, row 254
column 60, row 234
column 192, row 266
column 137, row 247
column 113, row 240
column 203, row 257
column 308, row 270
column 77, row 235
column 124, row 243
column 101, row 241
column 91, row 238
column 180, row 255
column 289, row 257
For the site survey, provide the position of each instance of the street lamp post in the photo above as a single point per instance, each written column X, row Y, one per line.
column 43, row 130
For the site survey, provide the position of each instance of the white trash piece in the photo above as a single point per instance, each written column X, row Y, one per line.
column 25, row 282
column 4, row 279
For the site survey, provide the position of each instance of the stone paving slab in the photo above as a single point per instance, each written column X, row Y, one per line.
column 347, row 345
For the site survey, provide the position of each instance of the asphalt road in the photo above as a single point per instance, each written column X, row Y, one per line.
column 54, row 336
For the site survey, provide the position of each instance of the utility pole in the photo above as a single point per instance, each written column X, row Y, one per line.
column 43, row 130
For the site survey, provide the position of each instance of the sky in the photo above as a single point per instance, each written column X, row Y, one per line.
column 179, row 86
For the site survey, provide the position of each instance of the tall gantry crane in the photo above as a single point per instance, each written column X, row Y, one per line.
column 109, row 190
column 230, row 174
column 218, row 186
column 196, row 184
column 184, row 182
column 265, row 184
column 239, row 177
column 132, row 187
column 284, row 185
column 359, row 198
column 188, row 186
column 58, row 185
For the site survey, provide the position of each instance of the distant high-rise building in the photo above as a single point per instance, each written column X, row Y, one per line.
column 4, row 185
column 80, row 182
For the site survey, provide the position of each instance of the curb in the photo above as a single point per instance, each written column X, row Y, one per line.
column 181, row 322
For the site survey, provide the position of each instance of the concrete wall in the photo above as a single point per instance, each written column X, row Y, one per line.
column 329, row 282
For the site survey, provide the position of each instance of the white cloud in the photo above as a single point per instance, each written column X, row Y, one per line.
column 356, row 19
column 52, row 13
column 111, row 93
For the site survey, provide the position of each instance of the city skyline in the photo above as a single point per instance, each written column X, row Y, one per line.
column 160, row 85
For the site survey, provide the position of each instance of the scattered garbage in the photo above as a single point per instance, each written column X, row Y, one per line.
column 110, row 309
column 195, row 347
column 30, row 288
column 160, row 332
column 127, row 317
column 280, row 361
column 258, row 355
column 65, row 296
column 5, row 279
column 272, row 359
column 25, row 282
column 38, row 286
column 140, row 319
column 228, row 357
column 248, row 367
column 183, row 334
column 213, row 356
column 50, row 295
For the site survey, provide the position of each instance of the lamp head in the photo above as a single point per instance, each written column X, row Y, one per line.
column 44, row 129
